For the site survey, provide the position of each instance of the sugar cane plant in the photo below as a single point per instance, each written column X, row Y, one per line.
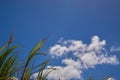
column 9, row 64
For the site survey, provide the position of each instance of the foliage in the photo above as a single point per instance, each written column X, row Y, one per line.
column 9, row 64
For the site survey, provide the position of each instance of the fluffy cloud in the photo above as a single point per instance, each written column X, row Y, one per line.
column 77, row 46
column 58, row 50
column 64, row 73
column 110, row 78
column 85, row 56
column 113, row 49
column 81, row 56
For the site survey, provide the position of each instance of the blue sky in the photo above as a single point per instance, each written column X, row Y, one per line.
column 32, row 20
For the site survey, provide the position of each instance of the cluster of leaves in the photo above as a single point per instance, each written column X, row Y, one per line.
column 9, row 65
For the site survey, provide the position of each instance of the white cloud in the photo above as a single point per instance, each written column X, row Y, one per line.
column 113, row 49
column 77, row 46
column 82, row 56
column 110, row 78
column 58, row 50
column 89, row 59
column 64, row 73
column 69, row 62
column 96, row 44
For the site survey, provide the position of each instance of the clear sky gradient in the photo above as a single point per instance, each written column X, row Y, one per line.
column 32, row 20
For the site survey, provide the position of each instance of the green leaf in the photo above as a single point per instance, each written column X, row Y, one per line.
column 32, row 55
column 5, row 54
column 42, row 68
column 27, row 74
